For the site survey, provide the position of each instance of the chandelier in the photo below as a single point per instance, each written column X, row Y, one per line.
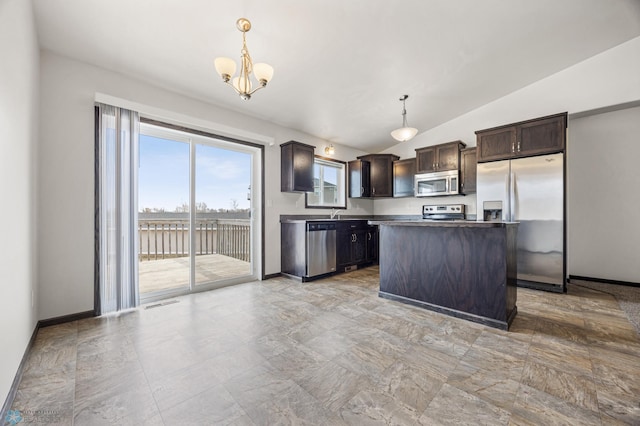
column 226, row 67
column 405, row 132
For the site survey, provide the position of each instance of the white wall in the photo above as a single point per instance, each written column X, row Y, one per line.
column 18, row 134
column 604, row 201
column 608, row 79
column 68, row 92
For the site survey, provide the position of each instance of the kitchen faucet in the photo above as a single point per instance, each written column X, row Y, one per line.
column 335, row 213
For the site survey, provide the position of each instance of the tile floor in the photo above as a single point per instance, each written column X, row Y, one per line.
column 331, row 352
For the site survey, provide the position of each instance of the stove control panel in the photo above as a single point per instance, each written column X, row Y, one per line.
column 443, row 209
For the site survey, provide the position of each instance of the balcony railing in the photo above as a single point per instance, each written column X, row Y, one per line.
column 169, row 238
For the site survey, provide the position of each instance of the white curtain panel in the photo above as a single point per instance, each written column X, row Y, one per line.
column 117, row 150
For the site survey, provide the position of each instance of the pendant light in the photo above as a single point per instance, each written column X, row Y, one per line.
column 226, row 67
column 405, row 132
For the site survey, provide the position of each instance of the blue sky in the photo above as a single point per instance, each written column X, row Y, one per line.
column 163, row 177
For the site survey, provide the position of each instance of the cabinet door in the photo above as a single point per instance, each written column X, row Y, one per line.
column 544, row 136
column 381, row 176
column 468, row 171
column 359, row 246
column 403, row 177
column 372, row 244
column 497, row 144
column 426, row 160
column 447, row 157
column 296, row 167
column 359, row 179
column 381, row 173
column 343, row 249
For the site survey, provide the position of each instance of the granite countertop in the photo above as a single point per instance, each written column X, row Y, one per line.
column 404, row 220
column 442, row 223
column 326, row 219
column 343, row 218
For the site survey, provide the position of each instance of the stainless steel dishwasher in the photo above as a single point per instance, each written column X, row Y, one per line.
column 321, row 248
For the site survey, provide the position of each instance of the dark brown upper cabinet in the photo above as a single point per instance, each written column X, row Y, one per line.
column 380, row 182
column 468, row 171
column 359, row 179
column 296, row 167
column 403, row 177
column 544, row 135
column 439, row 158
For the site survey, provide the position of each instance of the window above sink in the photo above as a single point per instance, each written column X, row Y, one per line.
column 329, row 184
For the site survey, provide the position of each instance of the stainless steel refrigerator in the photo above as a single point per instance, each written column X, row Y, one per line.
column 529, row 191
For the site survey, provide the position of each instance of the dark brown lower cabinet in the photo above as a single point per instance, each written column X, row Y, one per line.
column 373, row 247
column 356, row 244
column 463, row 269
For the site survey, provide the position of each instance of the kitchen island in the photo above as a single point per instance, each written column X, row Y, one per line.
column 465, row 269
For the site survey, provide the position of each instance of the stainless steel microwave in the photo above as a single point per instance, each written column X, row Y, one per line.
column 437, row 183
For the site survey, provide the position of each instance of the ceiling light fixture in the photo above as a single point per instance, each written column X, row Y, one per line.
column 226, row 67
column 405, row 132
column 329, row 150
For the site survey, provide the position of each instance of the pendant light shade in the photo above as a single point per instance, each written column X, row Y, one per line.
column 225, row 66
column 405, row 132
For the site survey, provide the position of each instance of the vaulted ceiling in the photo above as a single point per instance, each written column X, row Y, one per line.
column 341, row 65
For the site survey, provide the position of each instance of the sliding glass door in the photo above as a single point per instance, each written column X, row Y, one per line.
column 195, row 225
column 163, row 213
column 222, row 214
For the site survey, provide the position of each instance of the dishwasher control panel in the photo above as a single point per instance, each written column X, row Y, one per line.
column 321, row 226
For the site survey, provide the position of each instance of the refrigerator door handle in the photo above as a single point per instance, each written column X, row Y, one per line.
column 506, row 215
column 512, row 198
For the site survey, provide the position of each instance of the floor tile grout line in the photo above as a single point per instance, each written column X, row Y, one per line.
column 576, row 301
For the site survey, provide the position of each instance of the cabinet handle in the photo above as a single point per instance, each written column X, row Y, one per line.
column 437, row 165
column 369, row 234
column 373, row 191
column 518, row 146
column 362, row 190
column 433, row 166
column 513, row 147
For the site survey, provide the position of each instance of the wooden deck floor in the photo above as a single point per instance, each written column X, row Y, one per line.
column 163, row 274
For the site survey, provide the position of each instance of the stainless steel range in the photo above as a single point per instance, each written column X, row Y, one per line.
column 444, row 212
